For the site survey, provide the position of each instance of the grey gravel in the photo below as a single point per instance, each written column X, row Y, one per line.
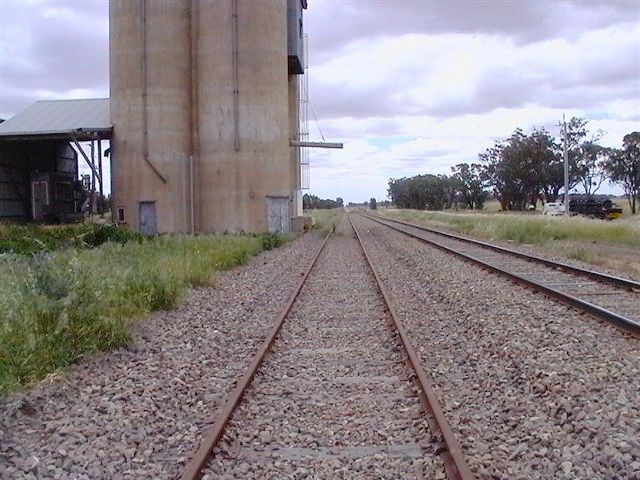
column 614, row 298
column 333, row 398
column 138, row 412
column 533, row 389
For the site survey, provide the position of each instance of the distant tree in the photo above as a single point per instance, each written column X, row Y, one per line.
column 623, row 168
column 518, row 168
column 311, row 202
column 585, row 156
column 589, row 169
column 419, row 192
column 450, row 190
column 470, row 185
column 373, row 205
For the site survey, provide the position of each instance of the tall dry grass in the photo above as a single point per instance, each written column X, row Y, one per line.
column 529, row 229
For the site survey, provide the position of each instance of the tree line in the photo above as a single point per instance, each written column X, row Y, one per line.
column 525, row 169
column 312, row 202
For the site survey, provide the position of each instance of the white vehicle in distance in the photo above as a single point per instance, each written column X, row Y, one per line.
column 553, row 209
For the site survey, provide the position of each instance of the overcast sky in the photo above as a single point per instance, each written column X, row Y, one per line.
column 410, row 87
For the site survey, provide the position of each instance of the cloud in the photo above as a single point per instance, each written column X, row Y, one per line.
column 456, row 74
column 335, row 25
column 52, row 50
column 409, row 86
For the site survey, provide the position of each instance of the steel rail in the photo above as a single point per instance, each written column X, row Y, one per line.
column 451, row 453
column 193, row 469
column 619, row 281
column 627, row 324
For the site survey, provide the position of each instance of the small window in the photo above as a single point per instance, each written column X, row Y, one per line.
column 120, row 215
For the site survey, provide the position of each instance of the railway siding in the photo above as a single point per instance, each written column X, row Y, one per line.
column 612, row 298
column 531, row 387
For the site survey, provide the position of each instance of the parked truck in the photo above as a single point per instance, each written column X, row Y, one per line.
column 589, row 206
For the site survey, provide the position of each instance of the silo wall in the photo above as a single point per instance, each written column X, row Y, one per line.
column 243, row 153
column 218, row 91
column 150, row 82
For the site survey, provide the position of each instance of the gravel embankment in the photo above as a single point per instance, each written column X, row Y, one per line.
column 613, row 256
column 603, row 294
column 532, row 388
column 333, row 398
column 137, row 413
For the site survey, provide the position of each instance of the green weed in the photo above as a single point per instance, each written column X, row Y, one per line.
column 58, row 306
column 33, row 239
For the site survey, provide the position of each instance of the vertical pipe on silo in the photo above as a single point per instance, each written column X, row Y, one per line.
column 145, row 110
column 236, row 93
column 194, row 25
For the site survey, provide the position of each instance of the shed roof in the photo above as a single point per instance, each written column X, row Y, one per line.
column 60, row 119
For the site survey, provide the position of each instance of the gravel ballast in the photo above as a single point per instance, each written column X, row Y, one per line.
column 137, row 413
column 620, row 300
column 334, row 398
column 533, row 389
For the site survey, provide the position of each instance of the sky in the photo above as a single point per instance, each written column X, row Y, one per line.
column 409, row 87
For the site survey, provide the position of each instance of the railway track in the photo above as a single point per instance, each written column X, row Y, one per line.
column 607, row 297
column 335, row 391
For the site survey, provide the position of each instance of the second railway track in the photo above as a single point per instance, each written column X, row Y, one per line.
column 611, row 298
column 340, row 395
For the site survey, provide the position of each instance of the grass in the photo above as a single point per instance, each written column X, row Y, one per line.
column 59, row 306
column 33, row 239
column 529, row 229
column 326, row 220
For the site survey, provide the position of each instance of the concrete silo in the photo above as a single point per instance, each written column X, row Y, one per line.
column 204, row 103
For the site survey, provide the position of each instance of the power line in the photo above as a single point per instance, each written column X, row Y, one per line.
column 316, row 119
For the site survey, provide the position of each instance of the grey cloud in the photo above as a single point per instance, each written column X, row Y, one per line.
column 332, row 25
column 60, row 46
column 586, row 84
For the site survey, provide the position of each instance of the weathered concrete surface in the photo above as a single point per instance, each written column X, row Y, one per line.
column 190, row 111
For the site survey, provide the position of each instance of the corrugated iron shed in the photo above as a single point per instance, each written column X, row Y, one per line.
column 83, row 119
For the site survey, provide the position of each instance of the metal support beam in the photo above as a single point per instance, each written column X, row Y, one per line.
column 101, row 204
column 86, row 158
column 295, row 143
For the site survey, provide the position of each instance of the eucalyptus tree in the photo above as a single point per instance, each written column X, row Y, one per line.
column 623, row 168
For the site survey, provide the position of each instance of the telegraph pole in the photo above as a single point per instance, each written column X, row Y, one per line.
column 566, row 169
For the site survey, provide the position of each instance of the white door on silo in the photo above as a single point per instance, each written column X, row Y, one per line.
column 147, row 220
column 278, row 215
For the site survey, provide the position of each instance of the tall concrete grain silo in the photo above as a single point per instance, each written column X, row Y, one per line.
column 204, row 103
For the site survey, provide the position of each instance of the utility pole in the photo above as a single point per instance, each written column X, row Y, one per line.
column 566, row 169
